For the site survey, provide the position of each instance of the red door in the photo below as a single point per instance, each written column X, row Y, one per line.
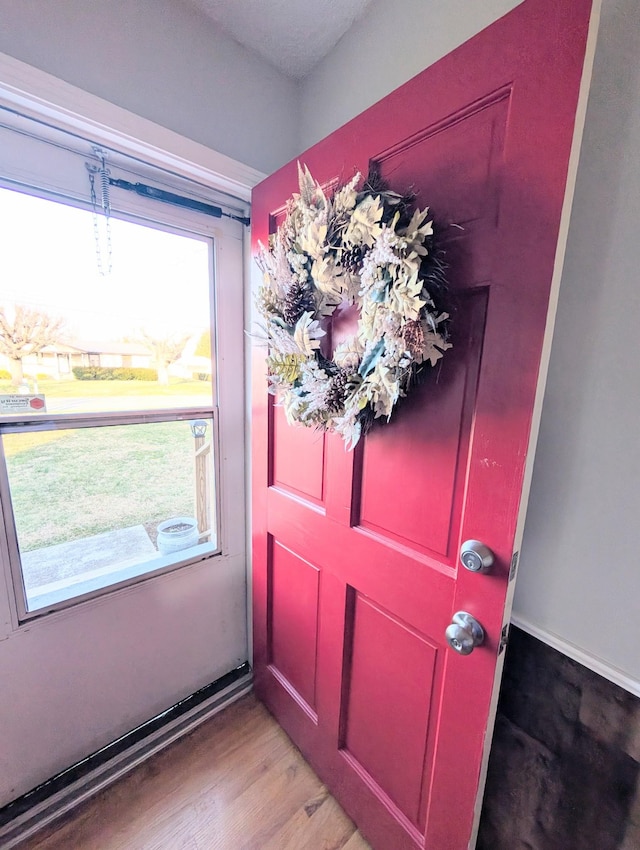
column 356, row 554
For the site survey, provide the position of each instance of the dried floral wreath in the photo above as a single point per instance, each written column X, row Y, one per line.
column 365, row 248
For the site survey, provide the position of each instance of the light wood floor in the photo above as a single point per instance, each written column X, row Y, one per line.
column 235, row 783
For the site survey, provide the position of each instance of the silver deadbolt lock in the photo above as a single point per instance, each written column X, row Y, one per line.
column 475, row 556
column 464, row 633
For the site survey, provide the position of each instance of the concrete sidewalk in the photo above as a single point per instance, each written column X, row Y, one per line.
column 53, row 567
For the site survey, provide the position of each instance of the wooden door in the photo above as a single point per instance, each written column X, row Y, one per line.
column 356, row 567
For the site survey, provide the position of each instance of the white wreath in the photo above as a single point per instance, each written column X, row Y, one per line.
column 355, row 247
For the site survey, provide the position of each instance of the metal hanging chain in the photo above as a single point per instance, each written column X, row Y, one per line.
column 105, row 208
column 144, row 191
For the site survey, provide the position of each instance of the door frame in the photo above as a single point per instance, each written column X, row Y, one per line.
column 545, row 357
column 51, row 101
column 47, row 99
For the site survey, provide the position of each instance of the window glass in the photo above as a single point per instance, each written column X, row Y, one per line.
column 95, row 506
column 137, row 337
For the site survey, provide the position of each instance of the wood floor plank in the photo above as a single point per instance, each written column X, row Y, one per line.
column 264, row 809
column 323, row 828
column 356, row 842
column 235, row 783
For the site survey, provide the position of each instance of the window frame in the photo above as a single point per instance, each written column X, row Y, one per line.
column 62, row 106
column 72, row 421
column 169, row 220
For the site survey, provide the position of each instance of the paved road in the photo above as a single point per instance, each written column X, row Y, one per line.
column 129, row 403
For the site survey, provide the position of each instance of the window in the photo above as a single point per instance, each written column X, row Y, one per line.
column 110, row 431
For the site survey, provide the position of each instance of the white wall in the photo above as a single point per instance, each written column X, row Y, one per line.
column 357, row 73
column 579, row 583
column 166, row 62
column 580, row 575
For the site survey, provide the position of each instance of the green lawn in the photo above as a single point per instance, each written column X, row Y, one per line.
column 67, row 485
column 16, row 443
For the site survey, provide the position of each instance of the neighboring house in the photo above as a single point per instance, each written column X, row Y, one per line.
column 58, row 360
column 189, row 366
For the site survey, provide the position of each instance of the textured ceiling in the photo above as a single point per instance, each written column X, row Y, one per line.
column 293, row 35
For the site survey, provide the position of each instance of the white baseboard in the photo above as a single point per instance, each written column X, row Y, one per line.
column 27, row 824
column 592, row 662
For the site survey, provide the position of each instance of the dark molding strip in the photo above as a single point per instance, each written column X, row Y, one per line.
column 171, row 198
column 83, row 768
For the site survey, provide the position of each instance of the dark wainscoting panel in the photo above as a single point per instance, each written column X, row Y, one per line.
column 564, row 771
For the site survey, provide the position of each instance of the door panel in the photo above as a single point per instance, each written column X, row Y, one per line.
column 297, row 457
column 421, row 457
column 436, row 163
column 387, row 661
column 294, row 586
column 390, row 716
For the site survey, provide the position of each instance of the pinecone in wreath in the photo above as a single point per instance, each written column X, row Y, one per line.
column 413, row 335
column 337, row 391
column 297, row 301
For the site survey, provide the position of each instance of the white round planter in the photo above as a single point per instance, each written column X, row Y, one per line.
column 179, row 532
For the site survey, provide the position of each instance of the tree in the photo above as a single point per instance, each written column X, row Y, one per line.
column 203, row 348
column 28, row 332
column 165, row 350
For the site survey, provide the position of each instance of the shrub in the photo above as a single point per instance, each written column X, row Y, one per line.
column 201, row 376
column 90, row 373
column 118, row 373
column 4, row 375
column 136, row 374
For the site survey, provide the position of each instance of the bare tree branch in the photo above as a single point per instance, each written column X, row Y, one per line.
column 29, row 332
column 165, row 351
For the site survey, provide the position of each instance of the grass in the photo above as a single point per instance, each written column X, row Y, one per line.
column 16, row 443
column 67, row 485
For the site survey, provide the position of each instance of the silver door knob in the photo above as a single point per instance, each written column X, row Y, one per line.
column 475, row 556
column 464, row 633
